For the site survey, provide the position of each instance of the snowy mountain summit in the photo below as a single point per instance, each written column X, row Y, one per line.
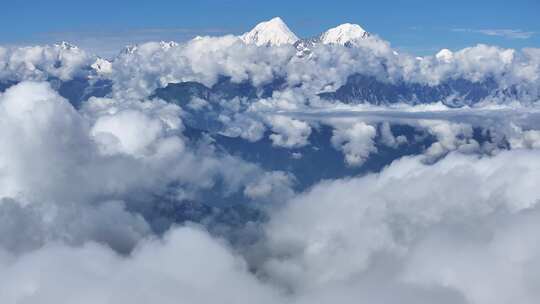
column 270, row 33
column 102, row 66
column 166, row 45
column 344, row 34
column 275, row 32
column 64, row 45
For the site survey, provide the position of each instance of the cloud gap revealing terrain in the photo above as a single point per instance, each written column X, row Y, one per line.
column 268, row 168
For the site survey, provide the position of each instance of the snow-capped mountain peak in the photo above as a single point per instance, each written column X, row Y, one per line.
column 102, row 66
column 165, row 45
column 64, row 45
column 346, row 34
column 272, row 32
column 129, row 49
column 343, row 34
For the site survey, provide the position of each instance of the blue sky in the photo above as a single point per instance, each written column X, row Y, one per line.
column 418, row 27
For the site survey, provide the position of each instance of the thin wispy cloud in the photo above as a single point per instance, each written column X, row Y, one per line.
column 107, row 43
column 506, row 33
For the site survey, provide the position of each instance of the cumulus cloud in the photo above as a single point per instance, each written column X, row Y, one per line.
column 26, row 227
column 273, row 187
column 243, row 125
column 150, row 66
column 58, row 162
column 511, row 246
column 138, row 71
column 133, row 131
column 342, row 240
column 454, row 223
column 203, row 59
column 62, row 61
column 289, row 132
column 520, row 138
column 356, row 142
column 349, row 233
column 388, row 138
column 450, row 136
column 186, row 265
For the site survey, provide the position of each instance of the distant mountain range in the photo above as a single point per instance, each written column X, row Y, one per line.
column 359, row 88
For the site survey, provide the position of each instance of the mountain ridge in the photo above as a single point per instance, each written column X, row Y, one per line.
column 275, row 32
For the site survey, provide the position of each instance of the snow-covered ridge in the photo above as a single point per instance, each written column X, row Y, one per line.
column 273, row 32
column 168, row 44
column 344, row 34
column 102, row 66
column 64, row 45
column 129, row 49
column 139, row 70
column 164, row 45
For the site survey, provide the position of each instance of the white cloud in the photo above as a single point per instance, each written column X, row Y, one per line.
column 343, row 232
column 356, row 142
column 520, row 139
column 273, row 187
column 288, row 132
column 244, row 126
column 187, row 265
column 133, row 131
column 137, row 73
column 506, row 33
column 388, row 138
column 427, row 231
column 57, row 162
column 450, row 136
column 497, row 268
column 25, row 227
column 40, row 62
column 150, row 66
column 342, row 240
